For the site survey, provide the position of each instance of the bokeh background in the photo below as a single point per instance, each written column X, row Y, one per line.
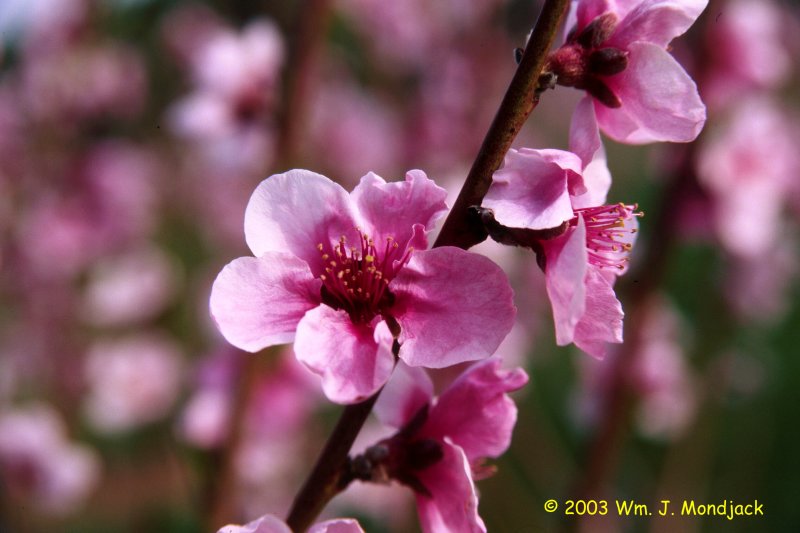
column 132, row 133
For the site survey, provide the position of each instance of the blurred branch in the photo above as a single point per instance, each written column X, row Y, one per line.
column 298, row 83
column 641, row 287
column 461, row 228
column 309, row 36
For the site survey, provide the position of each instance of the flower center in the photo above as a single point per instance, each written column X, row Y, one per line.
column 609, row 233
column 583, row 61
column 356, row 278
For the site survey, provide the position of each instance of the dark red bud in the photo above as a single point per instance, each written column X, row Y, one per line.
column 568, row 64
column 602, row 93
column 598, row 31
column 423, row 453
column 608, row 61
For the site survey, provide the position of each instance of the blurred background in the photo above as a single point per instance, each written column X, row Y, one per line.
column 132, row 133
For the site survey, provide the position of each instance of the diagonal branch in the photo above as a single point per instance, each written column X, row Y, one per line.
column 461, row 228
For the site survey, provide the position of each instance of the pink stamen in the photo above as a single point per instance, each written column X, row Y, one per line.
column 607, row 234
column 357, row 280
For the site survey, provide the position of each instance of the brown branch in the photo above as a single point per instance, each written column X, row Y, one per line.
column 461, row 228
column 324, row 481
column 299, row 82
column 312, row 20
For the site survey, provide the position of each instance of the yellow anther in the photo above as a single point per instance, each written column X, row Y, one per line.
column 369, row 258
column 320, row 247
column 340, row 275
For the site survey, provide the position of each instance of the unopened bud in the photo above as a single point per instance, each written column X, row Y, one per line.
column 608, row 61
column 598, row 31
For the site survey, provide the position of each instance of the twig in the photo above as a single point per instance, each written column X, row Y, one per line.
column 461, row 228
column 518, row 102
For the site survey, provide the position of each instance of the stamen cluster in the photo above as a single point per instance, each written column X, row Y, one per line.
column 357, row 279
column 607, row 235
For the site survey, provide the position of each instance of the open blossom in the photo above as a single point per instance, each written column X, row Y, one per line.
column 272, row 524
column 342, row 274
column 617, row 52
column 442, row 442
column 542, row 190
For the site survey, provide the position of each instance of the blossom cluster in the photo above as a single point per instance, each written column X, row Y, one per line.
column 149, row 380
column 350, row 278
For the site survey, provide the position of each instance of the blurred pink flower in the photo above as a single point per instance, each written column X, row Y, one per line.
column 617, row 53
column 544, row 189
column 106, row 201
column 84, row 82
column 661, row 377
column 40, row 465
column 442, row 442
column 407, row 31
column 444, row 305
column 746, row 49
column 658, row 375
column 747, row 166
column 273, row 524
column 42, row 24
column 354, row 131
column 236, row 78
column 131, row 381
column 759, row 290
column 129, row 288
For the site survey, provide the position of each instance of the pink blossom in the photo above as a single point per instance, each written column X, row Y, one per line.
column 547, row 191
column 442, row 442
column 129, row 288
column 746, row 49
column 84, row 82
column 748, row 166
column 353, row 130
column 131, row 381
column 39, row 463
column 661, row 376
column 342, row 303
column 236, row 79
column 272, row 524
column 617, row 53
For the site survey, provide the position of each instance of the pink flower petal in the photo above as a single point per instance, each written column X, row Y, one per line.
column 475, row 411
column 601, row 322
column 588, row 10
column 272, row 524
column 392, row 209
column 657, row 22
column 258, row 302
column 295, row 211
column 339, row 525
column 353, row 360
column 452, row 306
column 406, row 393
column 532, row 189
column 659, row 100
column 584, row 141
column 453, row 505
column 265, row 524
column 565, row 270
